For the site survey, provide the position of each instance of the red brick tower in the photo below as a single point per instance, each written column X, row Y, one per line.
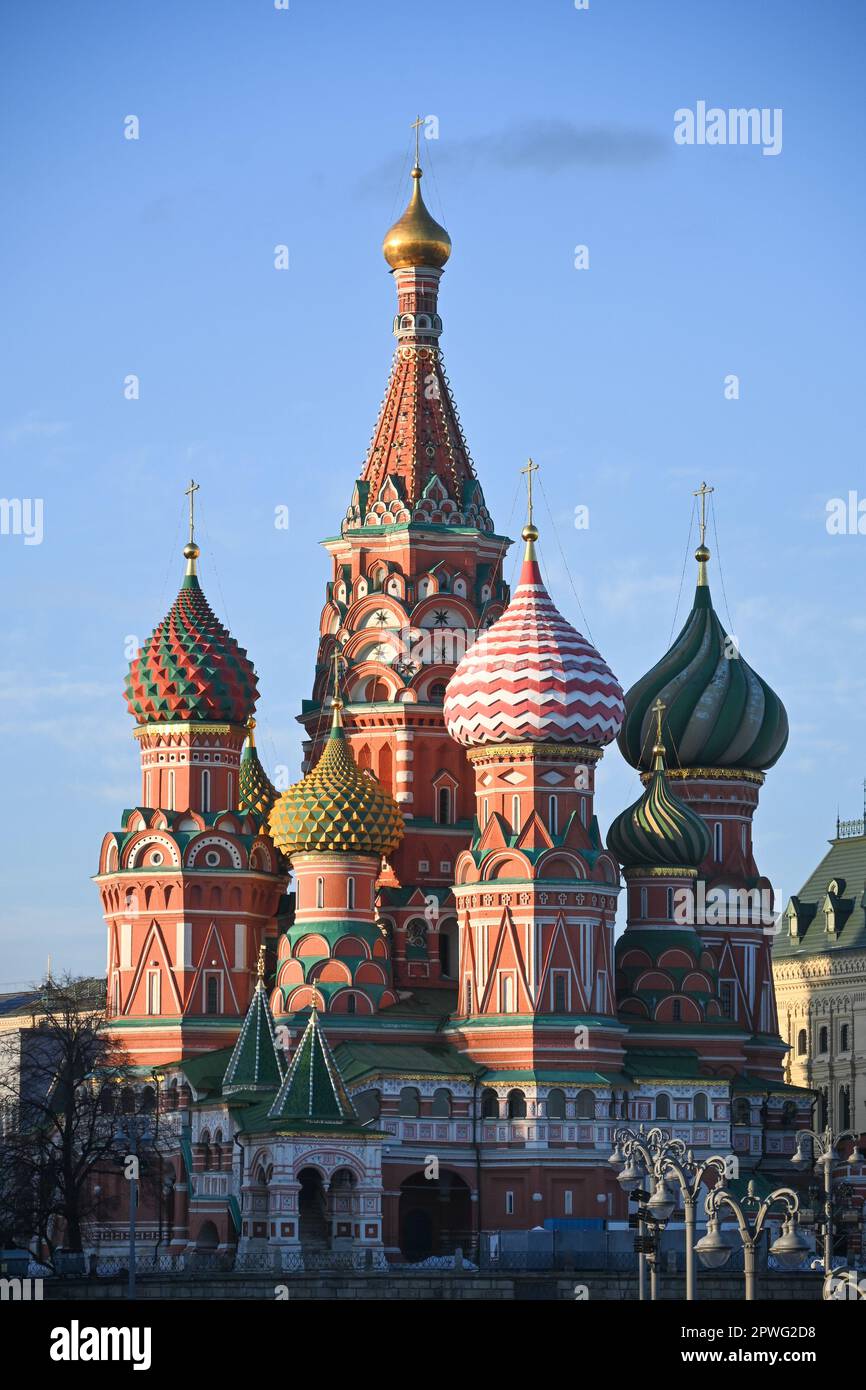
column 416, row 575
column 191, row 881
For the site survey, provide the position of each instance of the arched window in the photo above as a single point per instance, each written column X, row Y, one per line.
column 441, row 1103
column 789, row 1114
column 410, row 1102
column 843, row 1038
column 147, row 789
column 560, row 994
column 212, row 995
column 106, row 1101
column 743, row 838
column 127, row 1101
column 437, row 690
column 171, row 791
column 823, row 1039
column 489, row 1105
column 469, row 996
column 230, row 795
column 822, row 1109
column 556, row 1104
column 515, row 814
column 644, row 903
column 148, row 1099
column 663, row 1107
column 717, row 842
column 802, row 1043
column 368, row 1105
column 843, row 1118
column 516, row 1105
column 670, row 904
column 702, row 1108
column 507, row 994
column 443, row 806
column 448, row 949
column 205, row 789
column 486, row 810
column 351, row 1004
column 320, row 892
column 742, row 1111
column 585, row 1108
column 350, row 893
column 553, row 815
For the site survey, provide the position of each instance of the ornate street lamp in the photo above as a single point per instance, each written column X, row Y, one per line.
column 790, row 1247
column 825, row 1145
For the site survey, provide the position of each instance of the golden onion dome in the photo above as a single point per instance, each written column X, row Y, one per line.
column 417, row 238
column 336, row 806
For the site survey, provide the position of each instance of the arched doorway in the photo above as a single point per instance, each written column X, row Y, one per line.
column 435, row 1216
column 312, row 1211
column 342, row 1205
column 207, row 1239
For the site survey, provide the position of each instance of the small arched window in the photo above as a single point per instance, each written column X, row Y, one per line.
column 742, row 1113
column 489, row 1104
column 320, row 892
column 702, row 1108
column 350, row 893
column 843, row 1038
column 171, row 791
column 205, row 789
column 441, row 1107
column 802, row 1043
column 212, row 995
column 585, row 1108
column 516, row 1105
column 663, row 1107
column 351, row 1004
column 823, row 1039
column 717, row 842
column 553, row 815
column 556, row 1104
column 486, row 810
column 515, row 814
column 410, row 1102
column 443, row 806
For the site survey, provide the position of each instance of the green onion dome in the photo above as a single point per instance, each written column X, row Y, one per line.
column 659, row 830
column 256, row 791
column 719, row 712
column 191, row 669
column 336, row 806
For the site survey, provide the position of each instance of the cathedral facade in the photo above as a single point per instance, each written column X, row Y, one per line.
column 434, row 1035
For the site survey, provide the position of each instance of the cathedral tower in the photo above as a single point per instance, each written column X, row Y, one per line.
column 190, row 882
column 416, row 576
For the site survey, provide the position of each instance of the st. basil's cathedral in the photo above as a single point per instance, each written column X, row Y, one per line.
column 435, row 1033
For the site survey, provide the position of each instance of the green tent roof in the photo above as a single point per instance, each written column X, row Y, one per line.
column 313, row 1090
column 256, row 1064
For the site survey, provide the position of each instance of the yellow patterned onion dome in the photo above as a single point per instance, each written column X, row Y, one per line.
column 417, row 238
column 337, row 806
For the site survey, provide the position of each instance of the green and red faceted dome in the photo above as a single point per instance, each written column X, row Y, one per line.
column 191, row 669
column 718, row 711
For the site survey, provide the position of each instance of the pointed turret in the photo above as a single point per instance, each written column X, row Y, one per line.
column 313, row 1091
column 256, row 1063
column 256, row 791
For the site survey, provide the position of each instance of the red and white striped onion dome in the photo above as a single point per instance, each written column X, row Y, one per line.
column 532, row 677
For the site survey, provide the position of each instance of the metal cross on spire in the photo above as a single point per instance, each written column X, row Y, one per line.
column 529, row 470
column 338, row 660
column 190, row 493
column 703, row 492
column 658, row 710
column 416, row 126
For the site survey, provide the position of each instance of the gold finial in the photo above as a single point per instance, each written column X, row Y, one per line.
column 338, row 660
column 416, row 238
column 658, row 710
column 251, row 724
column 702, row 554
column 260, row 964
column 530, row 530
column 191, row 550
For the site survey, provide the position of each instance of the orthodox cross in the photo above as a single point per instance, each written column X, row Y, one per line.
column 338, row 660
column 416, row 126
column 703, row 492
column 190, row 493
column 529, row 470
column 260, row 963
column 658, row 710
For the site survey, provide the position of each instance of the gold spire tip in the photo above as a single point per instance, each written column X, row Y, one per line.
column 191, row 551
column 702, row 553
column 530, row 530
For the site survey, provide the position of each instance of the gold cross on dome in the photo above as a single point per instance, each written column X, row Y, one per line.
column 190, row 493
column 529, row 470
column 658, row 711
column 703, row 492
column 416, row 126
column 260, row 963
column 338, row 660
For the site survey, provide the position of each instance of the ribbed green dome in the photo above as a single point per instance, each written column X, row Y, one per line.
column 719, row 712
column 336, row 807
column 659, row 831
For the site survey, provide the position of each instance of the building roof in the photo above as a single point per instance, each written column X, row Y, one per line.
column 313, row 1091
column 256, row 1063
column 361, row 1060
column 832, row 894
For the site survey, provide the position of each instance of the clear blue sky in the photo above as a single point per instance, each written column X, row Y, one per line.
column 260, row 127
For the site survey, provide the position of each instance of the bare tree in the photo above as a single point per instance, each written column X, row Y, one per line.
column 60, row 1083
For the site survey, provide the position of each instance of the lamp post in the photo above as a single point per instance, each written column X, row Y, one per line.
column 825, row 1145
column 790, row 1247
column 667, row 1161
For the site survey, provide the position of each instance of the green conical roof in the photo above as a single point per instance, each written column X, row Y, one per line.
column 719, row 712
column 659, row 830
column 313, row 1090
column 256, row 1063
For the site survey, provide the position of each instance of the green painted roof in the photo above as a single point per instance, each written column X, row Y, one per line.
column 256, row 1064
column 205, row 1072
column 549, row 1076
column 845, row 860
column 650, row 1065
column 313, row 1091
column 361, row 1060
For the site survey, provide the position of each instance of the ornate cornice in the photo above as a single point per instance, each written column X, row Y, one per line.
column 562, row 752
column 728, row 774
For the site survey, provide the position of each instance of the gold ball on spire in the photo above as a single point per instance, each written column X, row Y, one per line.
column 416, row 238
